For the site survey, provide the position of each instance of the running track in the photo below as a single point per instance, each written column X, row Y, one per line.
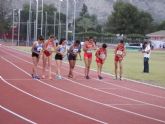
column 73, row 101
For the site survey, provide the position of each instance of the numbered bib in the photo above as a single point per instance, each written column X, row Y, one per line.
column 39, row 48
column 102, row 56
column 75, row 50
column 119, row 52
column 62, row 49
column 89, row 51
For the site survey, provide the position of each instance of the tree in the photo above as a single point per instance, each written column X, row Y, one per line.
column 84, row 11
column 50, row 9
column 127, row 19
column 86, row 22
column 162, row 25
column 4, row 16
column 144, row 23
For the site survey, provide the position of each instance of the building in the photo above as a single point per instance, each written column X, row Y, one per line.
column 157, row 38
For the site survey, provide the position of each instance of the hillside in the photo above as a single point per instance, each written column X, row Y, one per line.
column 103, row 8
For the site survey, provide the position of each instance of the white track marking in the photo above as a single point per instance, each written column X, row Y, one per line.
column 127, row 104
column 162, row 107
column 105, row 82
column 96, row 102
column 140, row 82
column 47, row 102
column 116, row 84
column 17, row 115
column 108, row 88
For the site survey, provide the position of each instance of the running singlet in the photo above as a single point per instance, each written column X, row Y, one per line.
column 88, row 53
column 89, row 47
column 102, row 54
column 38, row 47
column 119, row 52
column 120, row 49
column 75, row 50
column 50, row 46
column 62, row 49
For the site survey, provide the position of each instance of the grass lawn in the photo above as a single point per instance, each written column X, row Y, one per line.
column 133, row 66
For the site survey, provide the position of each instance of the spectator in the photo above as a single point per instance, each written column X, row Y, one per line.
column 146, row 53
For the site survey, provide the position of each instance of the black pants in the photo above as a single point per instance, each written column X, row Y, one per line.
column 146, row 65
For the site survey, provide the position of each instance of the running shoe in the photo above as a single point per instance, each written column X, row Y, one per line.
column 59, row 77
column 100, row 77
column 115, row 78
column 87, row 77
column 37, row 77
column 121, row 78
column 33, row 76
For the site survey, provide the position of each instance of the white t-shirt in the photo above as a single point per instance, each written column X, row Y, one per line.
column 148, row 48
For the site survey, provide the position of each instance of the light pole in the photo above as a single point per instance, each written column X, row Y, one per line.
column 46, row 23
column 54, row 23
column 27, row 34
column 42, row 14
column 59, row 21
column 74, row 20
column 34, row 29
column 13, row 27
column 30, row 4
column 67, row 6
column 19, row 19
column 36, row 19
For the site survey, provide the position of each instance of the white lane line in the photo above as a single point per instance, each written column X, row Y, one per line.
column 137, row 91
column 127, row 104
column 96, row 102
column 47, row 102
column 162, row 107
column 19, row 116
column 108, row 88
column 18, row 79
column 105, row 82
column 139, row 82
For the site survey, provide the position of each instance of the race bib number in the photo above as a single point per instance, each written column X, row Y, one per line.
column 62, row 49
column 89, row 51
column 119, row 52
column 39, row 49
column 75, row 50
column 102, row 56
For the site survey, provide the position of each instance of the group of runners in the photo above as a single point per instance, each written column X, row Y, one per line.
column 44, row 49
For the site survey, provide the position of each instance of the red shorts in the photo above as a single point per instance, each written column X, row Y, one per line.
column 88, row 55
column 118, row 58
column 98, row 60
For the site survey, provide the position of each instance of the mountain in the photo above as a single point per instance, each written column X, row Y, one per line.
column 103, row 8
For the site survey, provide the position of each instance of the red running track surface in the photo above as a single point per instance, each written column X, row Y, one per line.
column 73, row 101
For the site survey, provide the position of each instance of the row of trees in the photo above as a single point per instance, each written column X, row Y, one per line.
column 4, row 16
column 125, row 19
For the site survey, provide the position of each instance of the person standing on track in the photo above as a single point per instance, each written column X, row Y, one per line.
column 60, row 53
column 89, row 46
column 101, row 55
column 37, row 47
column 49, row 48
column 120, row 52
column 72, row 54
column 146, row 52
